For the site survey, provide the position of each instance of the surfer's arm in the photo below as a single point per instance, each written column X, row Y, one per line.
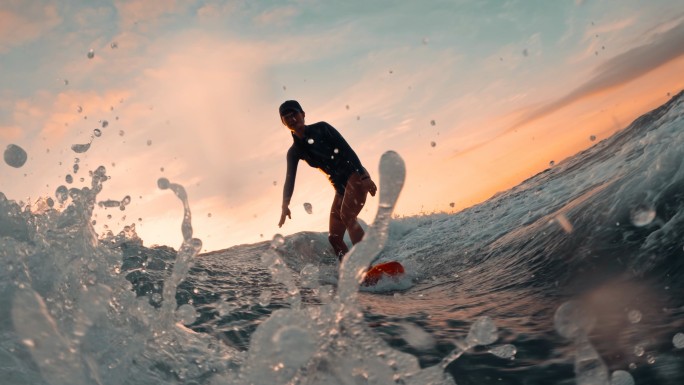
column 288, row 187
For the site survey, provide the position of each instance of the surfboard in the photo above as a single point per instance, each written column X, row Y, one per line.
column 392, row 269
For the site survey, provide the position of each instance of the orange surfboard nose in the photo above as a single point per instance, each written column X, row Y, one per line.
column 373, row 275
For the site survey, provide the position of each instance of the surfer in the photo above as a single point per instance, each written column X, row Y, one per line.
column 322, row 147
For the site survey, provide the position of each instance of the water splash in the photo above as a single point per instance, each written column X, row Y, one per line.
column 15, row 156
column 331, row 343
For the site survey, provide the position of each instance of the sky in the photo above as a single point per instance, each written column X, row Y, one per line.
column 476, row 96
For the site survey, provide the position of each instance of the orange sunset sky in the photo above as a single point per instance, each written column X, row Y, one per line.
column 476, row 96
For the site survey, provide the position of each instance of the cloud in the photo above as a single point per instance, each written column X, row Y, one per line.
column 22, row 22
column 148, row 12
column 664, row 47
column 277, row 16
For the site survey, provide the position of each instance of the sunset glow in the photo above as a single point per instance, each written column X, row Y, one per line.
column 475, row 96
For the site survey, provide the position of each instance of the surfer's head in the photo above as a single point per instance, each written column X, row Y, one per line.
column 292, row 114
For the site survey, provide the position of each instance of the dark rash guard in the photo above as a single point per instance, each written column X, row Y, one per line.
column 325, row 149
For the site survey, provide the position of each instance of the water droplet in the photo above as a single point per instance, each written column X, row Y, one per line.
column 651, row 359
column 121, row 132
column 416, row 336
column 225, row 308
column 105, row 124
column 642, row 215
column 571, row 320
column 79, row 109
column 114, row 45
column 80, row 148
column 310, row 141
column 639, row 350
column 62, row 193
column 525, row 52
column 15, row 156
column 336, row 151
column 482, row 332
column 620, row 377
column 69, row 179
column 186, row 314
column 452, row 204
column 632, row 366
column 278, row 240
column 149, row 142
column 678, row 340
column 91, row 54
column 309, row 276
column 76, row 168
column 432, row 122
column 308, row 208
column 265, row 298
column 163, row 183
column 28, row 342
column 634, row 316
column 592, row 138
column 552, row 163
column 426, row 40
column 97, row 133
column 433, row 143
column 504, row 351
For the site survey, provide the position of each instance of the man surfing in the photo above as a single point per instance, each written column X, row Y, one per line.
column 322, row 147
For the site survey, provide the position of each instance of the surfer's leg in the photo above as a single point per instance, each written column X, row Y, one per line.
column 352, row 203
column 337, row 228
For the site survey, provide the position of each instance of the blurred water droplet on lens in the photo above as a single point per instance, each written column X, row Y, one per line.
column 79, row 109
column 309, row 276
column 121, row 132
column 504, row 351
column 639, row 350
column 571, row 320
column 432, row 122
column 416, row 336
column 114, row 45
column 592, row 138
column 149, row 142
column 97, row 132
column 552, row 163
column 265, row 298
column 15, row 156
column 634, row 316
column 105, row 124
column 433, row 144
column 69, row 179
column 482, row 332
column 620, row 377
column 186, row 314
column 91, row 54
column 310, row 141
column 678, row 340
column 642, row 215
column 308, row 208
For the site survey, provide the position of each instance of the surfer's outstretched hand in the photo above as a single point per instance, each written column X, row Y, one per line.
column 286, row 213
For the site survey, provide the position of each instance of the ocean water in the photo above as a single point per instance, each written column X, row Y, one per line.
column 575, row 276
